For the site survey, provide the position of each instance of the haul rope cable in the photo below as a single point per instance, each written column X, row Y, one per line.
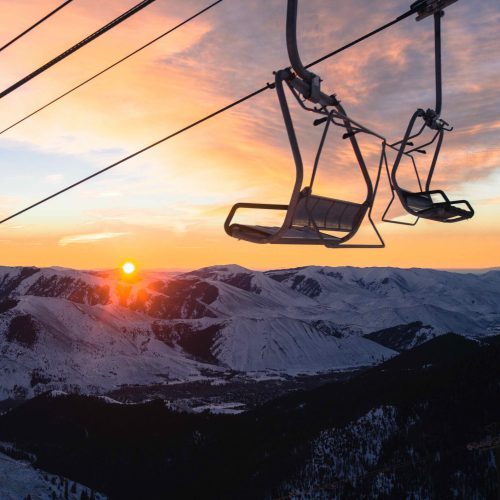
column 78, row 46
column 128, row 56
column 26, row 31
column 410, row 12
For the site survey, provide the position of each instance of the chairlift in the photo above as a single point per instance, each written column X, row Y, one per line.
column 309, row 219
column 432, row 204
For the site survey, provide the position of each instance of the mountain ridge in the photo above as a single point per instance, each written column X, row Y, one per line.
column 95, row 331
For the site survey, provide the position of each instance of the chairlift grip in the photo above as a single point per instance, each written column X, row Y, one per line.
column 307, row 91
column 426, row 8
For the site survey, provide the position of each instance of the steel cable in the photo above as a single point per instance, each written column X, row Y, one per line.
column 128, row 56
column 78, row 46
column 26, row 31
column 204, row 119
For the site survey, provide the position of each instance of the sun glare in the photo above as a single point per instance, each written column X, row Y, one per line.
column 128, row 268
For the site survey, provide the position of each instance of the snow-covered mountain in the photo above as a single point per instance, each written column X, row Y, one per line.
column 93, row 331
column 19, row 480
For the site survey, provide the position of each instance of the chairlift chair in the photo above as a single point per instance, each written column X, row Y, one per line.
column 432, row 204
column 308, row 217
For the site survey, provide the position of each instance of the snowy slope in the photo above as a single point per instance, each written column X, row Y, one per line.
column 92, row 331
column 377, row 298
column 335, row 461
column 293, row 346
column 18, row 479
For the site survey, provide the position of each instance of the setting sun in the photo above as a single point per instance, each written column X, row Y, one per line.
column 128, row 267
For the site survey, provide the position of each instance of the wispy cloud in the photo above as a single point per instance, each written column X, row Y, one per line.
column 88, row 238
column 54, row 178
column 187, row 185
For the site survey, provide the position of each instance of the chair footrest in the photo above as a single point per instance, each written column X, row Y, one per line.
column 445, row 212
column 291, row 236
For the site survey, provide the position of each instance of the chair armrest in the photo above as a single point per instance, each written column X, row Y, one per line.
column 464, row 202
column 263, row 206
column 440, row 192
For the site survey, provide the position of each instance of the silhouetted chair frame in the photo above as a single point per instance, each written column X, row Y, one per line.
column 308, row 216
column 422, row 204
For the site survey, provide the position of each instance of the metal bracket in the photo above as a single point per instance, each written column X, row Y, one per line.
column 431, row 119
column 434, row 122
column 426, row 8
column 316, row 89
column 311, row 91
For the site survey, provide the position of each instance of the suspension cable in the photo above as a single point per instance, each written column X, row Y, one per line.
column 408, row 13
column 26, row 31
column 137, row 153
column 128, row 56
column 79, row 45
column 204, row 119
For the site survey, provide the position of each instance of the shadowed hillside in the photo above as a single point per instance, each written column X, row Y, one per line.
column 416, row 421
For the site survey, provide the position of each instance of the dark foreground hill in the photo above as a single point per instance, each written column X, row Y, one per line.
column 396, row 430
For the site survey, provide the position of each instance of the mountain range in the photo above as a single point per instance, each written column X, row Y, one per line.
column 96, row 331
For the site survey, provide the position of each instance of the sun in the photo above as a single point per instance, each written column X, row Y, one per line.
column 128, row 268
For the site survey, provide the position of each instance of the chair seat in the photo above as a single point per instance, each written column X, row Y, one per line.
column 422, row 205
column 297, row 235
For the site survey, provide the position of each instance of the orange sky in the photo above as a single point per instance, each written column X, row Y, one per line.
column 166, row 208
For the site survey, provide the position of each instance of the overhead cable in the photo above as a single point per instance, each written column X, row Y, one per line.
column 128, row 56
column 204, row 119
column 137, row 153
column 78, row 46
column 26, row 31
column 364, row 37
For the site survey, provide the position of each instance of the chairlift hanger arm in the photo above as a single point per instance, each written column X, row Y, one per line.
column 426, row 8
column 291, row 43
column 437, row 62
column 308, row 84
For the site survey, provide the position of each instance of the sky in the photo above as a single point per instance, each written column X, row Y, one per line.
column 166, row 208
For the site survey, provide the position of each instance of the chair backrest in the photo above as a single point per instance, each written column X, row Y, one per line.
column 327, row 213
